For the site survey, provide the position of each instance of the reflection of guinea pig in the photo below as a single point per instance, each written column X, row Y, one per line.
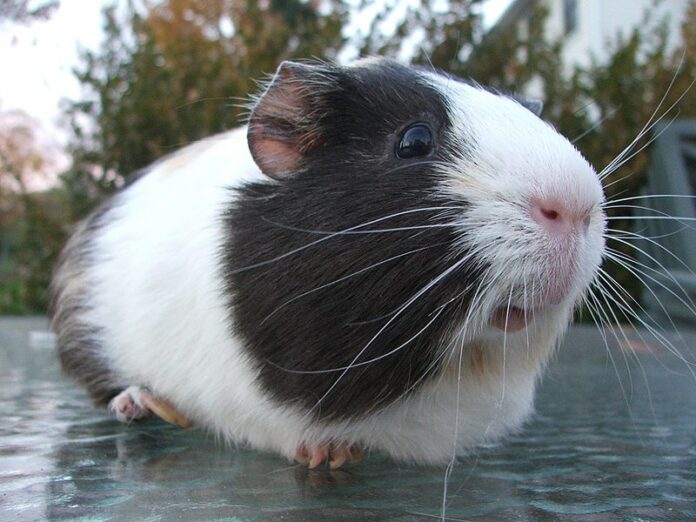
column 384, row 258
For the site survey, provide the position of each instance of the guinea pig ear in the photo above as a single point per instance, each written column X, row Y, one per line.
column 533, row 105
column 284, row 122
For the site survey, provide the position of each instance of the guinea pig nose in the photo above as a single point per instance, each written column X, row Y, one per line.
column 553, row 216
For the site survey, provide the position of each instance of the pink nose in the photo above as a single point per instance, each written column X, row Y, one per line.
column 557, row 218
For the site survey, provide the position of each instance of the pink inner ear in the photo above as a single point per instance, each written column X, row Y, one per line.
column 275, row 158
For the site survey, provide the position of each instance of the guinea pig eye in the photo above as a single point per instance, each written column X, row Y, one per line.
column 416, row 141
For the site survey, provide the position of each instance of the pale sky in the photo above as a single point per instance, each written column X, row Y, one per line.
column 37, row 59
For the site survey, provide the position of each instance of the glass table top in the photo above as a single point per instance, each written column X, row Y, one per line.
column 609, row 442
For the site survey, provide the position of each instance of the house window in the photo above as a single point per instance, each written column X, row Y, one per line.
column 570, row 15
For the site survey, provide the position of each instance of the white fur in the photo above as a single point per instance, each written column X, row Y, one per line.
column 518, row 158
column 155, row 285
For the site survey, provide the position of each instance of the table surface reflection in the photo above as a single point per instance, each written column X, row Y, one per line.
column 614, row 438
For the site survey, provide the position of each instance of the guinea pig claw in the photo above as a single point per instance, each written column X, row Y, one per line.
column 335, row 455
column 320, row 455
column 339, row 456
column 302, row 455
column 356, row 453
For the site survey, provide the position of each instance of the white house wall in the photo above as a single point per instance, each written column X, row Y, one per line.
column 599, row 21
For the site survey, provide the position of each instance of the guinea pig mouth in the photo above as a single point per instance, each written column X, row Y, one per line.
column 510, row 319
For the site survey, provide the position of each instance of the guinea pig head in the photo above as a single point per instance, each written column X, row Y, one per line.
column 405, row 214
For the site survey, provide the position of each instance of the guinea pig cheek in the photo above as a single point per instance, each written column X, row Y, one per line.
column 510, row 319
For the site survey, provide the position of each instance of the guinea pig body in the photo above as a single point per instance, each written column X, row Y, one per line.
column 384, row 258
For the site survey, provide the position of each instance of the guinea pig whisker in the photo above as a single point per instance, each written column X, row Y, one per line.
column 628, row 238
column 628, row 235
column 426, row 373
column 613, row 329
column 605, row 186
column 458, row 337
column 629, row 262
column 648, row 196
column 597, row 124
column 361, row 363
column 439, row 517
column 656, row 211
column 623, row 261
column 641, row 218
column 524, row 302
column 358, row 232
column 455, row 298
column 422, row 163
column 472, row 253
column 621, row 159
column 608, row 325
column 604, row 283
column 600, row 311
column 392, row 312
column 637, row 207
column 614, row 166
column 650, row 123
column 505, row 332
column 346, row 277
column 408, row 303
column 455, row 436
column 629, row 312
column 201, row 100
column 608, row 284
column 331, row 236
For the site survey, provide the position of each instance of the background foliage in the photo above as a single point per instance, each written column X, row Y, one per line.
column 178, row 70
column 24, row 11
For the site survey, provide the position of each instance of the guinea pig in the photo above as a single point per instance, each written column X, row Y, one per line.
column 384, row 258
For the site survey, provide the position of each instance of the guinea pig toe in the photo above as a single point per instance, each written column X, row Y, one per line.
column 128, row 406
column 319, row 455
column 339, row 456
column 336, row 455
column 342, row 454
column 356, row 453
column 302, row 454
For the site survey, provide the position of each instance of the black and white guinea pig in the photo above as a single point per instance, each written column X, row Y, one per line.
column 384, row 258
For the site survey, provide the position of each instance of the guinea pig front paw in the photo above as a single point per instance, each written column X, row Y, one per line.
column 136, row 402
column 128, row 405
column 335, row 454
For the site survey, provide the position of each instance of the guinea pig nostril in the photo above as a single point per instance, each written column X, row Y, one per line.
column 550, row 214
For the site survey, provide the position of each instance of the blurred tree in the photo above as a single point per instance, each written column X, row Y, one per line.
column 620, row 97
column 177, row 70
column 30, row 234
column 177, row 73
column 31, row 222
column 428, row 32
column 24, row 11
